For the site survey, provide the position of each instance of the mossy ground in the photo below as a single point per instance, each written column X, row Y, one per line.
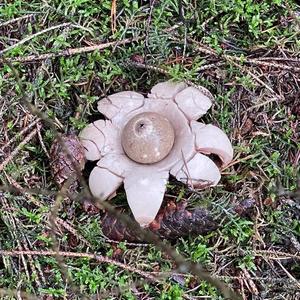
column 252, row 51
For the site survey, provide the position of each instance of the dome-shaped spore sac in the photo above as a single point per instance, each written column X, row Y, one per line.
column 148, row 138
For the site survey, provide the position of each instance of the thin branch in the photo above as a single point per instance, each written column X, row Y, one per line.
column 209, row 51
column 16, row 151
column 17, row 294
column 17, row 19
column 205, row 91
column 277, row 254
column 289, row 274
column 24, row 130
column 97, row 257
column 30, row 37
column 69, row 52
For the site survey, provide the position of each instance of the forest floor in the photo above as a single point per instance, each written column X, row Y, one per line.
column 63, row 56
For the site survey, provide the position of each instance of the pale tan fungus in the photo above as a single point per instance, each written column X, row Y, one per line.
column 146, row 139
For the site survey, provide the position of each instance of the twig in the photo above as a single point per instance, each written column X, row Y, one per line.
column 205, row 91
column 268, row 279
column 15, row 152
column 41, row 140
column 113, row 16
column 33, row 36
column 207, row 50
column 60, row 221
column 37, row 191
column 276, row 254
column 98, row 258
column 125, row 243
column 69, row 52
column 289, row 274
column 17, row 294
column 24, row 130
column 268, row 58
column 268, row 64
column 17, row 19
column 224, row 277
column 73, row 231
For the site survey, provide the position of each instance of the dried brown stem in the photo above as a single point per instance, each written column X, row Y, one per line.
column 17, row 294
column 28, row 38
column 69, row 52
column 17, row 19
column 205, row 91
column 209, row 51
column 24, row 130
column 16, row 151
column 98, row 258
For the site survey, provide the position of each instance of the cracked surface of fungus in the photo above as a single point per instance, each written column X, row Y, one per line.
column 145, row 139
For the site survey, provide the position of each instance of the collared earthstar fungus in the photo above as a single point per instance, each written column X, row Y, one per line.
column 147, row 138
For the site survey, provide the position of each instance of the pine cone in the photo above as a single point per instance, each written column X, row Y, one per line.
column 62, row 168
column 172, row 222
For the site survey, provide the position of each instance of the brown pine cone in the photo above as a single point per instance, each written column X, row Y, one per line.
column 62, row 168
column 172, row 222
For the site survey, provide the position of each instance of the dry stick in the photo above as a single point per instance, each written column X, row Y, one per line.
column 289, row 274
column 205, row 49
column 15, row 189
column 55, row 245
column 266, row 64
column 205, row 91
column 269, row 279
column 243, row 69
column 17, row 294
column 98, row 258
column 33, row 36
column 226, row 277
column 13, row 232
column 39, row 126
column 113, row 16
column 24, row 130
column 290, row 59
column 60, row 221
column 15, row 152
column 183, row 265
column 276, row 253
column 73, row 231
column 270, row 254
column 17, row 19
column 69, row 52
